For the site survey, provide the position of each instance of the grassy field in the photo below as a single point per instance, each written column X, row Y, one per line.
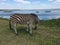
column 47, row 34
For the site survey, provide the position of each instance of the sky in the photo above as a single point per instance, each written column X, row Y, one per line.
column 29, row 4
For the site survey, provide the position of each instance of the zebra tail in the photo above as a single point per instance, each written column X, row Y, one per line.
column 10, row 24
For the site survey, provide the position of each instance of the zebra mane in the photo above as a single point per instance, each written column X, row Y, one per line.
column 16, row 14
column 34, row 14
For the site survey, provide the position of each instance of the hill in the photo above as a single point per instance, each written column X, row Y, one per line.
column 44, row 35
column 51, row 23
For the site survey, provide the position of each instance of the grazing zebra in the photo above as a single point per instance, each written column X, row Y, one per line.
column 27, row 19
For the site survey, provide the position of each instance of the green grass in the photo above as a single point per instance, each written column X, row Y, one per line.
column 45, row 35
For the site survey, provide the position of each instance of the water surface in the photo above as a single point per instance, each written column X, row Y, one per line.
column 42, row 14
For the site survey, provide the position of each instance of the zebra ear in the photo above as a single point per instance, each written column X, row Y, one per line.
column 32, row 14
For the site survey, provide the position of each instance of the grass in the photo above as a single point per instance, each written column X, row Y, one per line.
column 44, row 35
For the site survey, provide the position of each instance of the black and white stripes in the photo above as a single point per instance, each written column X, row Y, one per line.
column 27, row 19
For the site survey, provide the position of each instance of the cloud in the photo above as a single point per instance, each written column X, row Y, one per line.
column 55, row 4
column 27, row 4
column 23, row 1
column 50, row 0
column 56, row 1
column 3, row 0
column 5, row 5
column 56, row 17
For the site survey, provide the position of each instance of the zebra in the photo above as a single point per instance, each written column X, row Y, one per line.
column 27, row 19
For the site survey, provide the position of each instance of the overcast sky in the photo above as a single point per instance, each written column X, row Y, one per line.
column 29, row 4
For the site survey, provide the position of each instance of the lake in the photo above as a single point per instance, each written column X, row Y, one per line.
column 43, row 14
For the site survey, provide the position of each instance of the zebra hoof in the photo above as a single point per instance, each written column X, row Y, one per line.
column 31, row 35
column 35, row 28
column 16, row 34
column 11, row 29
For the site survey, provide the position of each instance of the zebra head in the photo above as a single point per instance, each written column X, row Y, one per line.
column 36, row 21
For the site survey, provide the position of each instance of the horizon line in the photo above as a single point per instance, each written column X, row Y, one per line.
column 25, row 9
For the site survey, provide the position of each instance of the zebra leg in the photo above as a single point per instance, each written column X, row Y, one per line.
column 15, row 29
column 27, row 27
column 30, row 27
column 36, row 25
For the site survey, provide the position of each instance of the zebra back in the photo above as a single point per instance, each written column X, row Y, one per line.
column 24, row 18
